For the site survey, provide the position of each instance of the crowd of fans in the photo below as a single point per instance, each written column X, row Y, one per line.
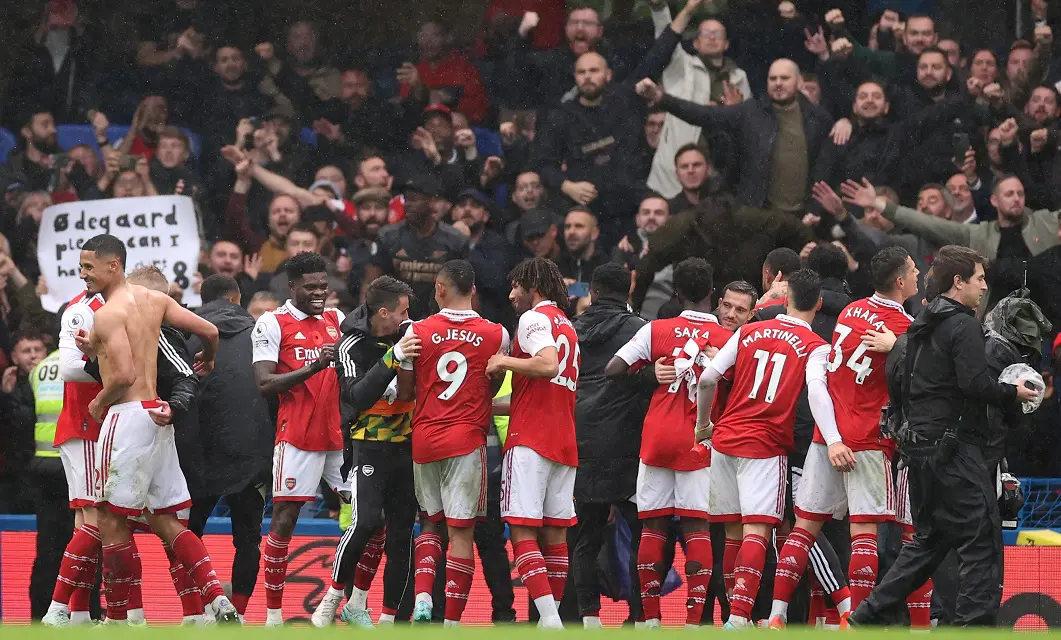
column 545, row 140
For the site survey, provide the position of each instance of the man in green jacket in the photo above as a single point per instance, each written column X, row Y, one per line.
column 1018, row 235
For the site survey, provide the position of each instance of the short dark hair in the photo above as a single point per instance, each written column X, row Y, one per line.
column 461, row 274
column 25, row 119
column 27, row 333
column 934, row 49
column 923, row 16
column 218, row 286
column 811, row 77
column 542, row 275
column 611, row 280
column 693, row 280
column 828, row 261
column 953, row 260
column 888, row 264
column 384, row 292
column 305, row 263
column 305, row 227
column 742, row 287
column 691, row 146
column 804, row 289
column 782, row 260
column 106, row 246
column 176, row 133
column 1002, row 178
column 367, row 154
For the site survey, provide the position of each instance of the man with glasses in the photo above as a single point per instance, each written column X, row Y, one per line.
column 704, row 76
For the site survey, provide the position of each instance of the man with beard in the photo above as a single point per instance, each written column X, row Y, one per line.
column 693, row 168
column 652, row 213
column 284, row 213
column 1008, row 243
column 874, row 147
column 895, row 66
column 35, row 156
column 227, row 259
column 1038, row 153
column 414, row 249
column 587, row 148
column 781, row 136
column 371, row 205
column 359, row 119
column 488, row 252
column 302, row 76
column 1041, row 108
column 737, row 304
column 702, row 75
column 583, row 254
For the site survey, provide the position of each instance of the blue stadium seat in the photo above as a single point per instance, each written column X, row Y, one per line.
column 7, row 144
column 71, row 135
column 308, row 136
column 487, row 142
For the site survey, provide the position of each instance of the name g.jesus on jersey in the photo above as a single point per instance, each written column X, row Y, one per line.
column 459, row 335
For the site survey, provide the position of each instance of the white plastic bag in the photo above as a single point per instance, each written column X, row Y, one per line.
column 1022, row 372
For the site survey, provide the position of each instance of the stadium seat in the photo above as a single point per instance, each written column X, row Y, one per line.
column 71, row 135
column 308, row 136
column 488, row 143
column 8, row 142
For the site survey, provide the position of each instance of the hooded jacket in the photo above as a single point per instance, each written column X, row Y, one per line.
column 949, row 385
column 235, row 429
column 367, row 383
column 609, row 414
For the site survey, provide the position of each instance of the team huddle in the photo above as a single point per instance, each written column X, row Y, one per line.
column 715, row 441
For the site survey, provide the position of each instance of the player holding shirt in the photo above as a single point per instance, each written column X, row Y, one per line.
column 538, row 471
column 671, row 479
column 76, row 433
column 770, row 362
column 453, row 395
column 294, row 348
column 850, row 471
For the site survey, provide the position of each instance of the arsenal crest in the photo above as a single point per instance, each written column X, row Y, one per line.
column 333, row 333
column 289, row 483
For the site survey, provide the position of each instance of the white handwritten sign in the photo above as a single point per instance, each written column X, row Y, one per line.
column 159, row 230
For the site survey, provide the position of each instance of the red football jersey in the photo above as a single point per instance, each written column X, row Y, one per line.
column 857, row 380
column 453, row 394
column 667, row 438
column 309, row 412
column 771, row 361
column 542, row 412
column 74, row 420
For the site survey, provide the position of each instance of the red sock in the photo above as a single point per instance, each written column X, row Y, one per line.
column 239, row 601
column 862, row 572
column 77, row 571
column 832, row 616
column 187, row 591
column 838, row 596
column 531, row 567
column 192, row 553
column 459, row 574
column 426, row 553
column 649, row 558
column 729, row 564
column 275, row 564
column 748, row 573
column 117, row 577
column 697, row 550
column 919, row 604
column 368, row 563
column 791, row 563
column 136, row 595
column 556, row 563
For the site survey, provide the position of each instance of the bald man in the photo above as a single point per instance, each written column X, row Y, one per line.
column 588, row 148
column 782, row 136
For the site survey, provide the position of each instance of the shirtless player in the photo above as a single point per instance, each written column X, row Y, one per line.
column 125, row 339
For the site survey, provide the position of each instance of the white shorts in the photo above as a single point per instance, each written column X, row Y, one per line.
column 536, row 491
column 453, row 489
column 866, row 492
column 748, row 490
column 665, row 492
column 298, row 473
column 79, row 465
column 137, row 464
column 902, row 500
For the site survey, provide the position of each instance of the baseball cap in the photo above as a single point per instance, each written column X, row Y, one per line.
column 536, row 222
column 425, row 183
column 474, row 194
column 327, row 184
column 372, row 194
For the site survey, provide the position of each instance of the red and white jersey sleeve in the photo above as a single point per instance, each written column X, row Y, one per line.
column 542, row 413
column 79, row 388
column 639, row 349
column 266, row 347
column 77, row 315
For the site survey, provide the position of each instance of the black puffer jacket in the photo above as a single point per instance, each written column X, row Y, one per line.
column 834, row 299
column 235, row 429
column 609, row 414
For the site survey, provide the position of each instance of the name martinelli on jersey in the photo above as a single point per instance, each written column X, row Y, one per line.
column 776, row 334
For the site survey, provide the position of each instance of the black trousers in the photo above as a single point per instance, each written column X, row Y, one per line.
column 592, row 527
column 381, row 493
column 55, row 526
column 954, row 507
column 248, row 507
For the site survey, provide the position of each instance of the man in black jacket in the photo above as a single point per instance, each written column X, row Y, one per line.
column 234, row 435
column 380, row 464
column 608, row 419
column 946, row 390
